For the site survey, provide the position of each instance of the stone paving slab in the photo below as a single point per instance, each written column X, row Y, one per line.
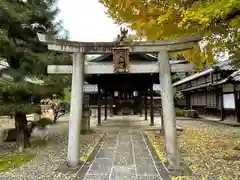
column 96, row 177
column 105, row 153
column 124, row 155
column 101, row 167
column 124, row 177
column 145, row 167
column 128, row 169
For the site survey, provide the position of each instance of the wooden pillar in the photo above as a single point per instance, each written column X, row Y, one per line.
column 187, row 101
column 206, row 99
column 75, row 109
column 111, row 103
column 221, row 105
column 237, row 108
column 151, row 107
column 141, row 103
column 105, row 105
column 168, row 111
column 129, row 94
column 99, row 106
column 145, row 105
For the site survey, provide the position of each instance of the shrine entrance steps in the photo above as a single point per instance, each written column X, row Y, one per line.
column 124, row 154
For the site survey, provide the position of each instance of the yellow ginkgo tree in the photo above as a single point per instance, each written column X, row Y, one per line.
column 218, row 21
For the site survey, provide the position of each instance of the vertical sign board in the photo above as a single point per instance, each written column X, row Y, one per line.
column 121, row 60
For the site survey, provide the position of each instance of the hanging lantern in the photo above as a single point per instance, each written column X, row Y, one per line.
column 116, row 93
column 135, row 93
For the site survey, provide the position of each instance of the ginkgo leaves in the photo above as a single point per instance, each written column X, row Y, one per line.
column 157, row 20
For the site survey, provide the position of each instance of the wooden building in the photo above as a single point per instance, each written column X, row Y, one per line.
column 214, row 92
column 92, row 91
column 128, row 92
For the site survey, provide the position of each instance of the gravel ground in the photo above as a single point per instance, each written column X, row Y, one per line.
column 50, row 157
column 208, row 148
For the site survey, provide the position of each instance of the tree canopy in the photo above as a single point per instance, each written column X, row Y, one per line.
column 20, row 21
column 19, row 24
column 217, row 20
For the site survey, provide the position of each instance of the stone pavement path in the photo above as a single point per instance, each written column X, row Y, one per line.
column 124, row 155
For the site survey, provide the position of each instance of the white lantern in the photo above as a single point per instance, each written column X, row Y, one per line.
column 115, row 93
column 135, row 93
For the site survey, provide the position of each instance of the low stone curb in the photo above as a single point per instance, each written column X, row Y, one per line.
column 159, row 164
column 89, row 159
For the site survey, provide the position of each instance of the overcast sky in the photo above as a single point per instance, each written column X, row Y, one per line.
column 86, row 20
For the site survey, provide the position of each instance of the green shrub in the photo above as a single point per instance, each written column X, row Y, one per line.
column 43, row 122
column 180, row 112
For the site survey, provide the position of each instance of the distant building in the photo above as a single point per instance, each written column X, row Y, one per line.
column 214, row 92
column 6, row 77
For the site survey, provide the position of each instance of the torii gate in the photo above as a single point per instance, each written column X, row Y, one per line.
column 79, row 49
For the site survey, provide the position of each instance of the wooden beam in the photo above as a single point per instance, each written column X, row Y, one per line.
column 107, row 68
column 106, row 47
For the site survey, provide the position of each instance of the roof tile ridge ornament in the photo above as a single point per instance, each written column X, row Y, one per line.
column 235, row 73
column 121, row 38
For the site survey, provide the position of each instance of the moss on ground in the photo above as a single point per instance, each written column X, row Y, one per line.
column 14, row 160
column 89, row 148
column 158, row 146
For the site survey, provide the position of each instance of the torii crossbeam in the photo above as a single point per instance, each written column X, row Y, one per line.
column 107, row 47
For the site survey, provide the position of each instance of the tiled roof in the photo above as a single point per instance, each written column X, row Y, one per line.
column 6, row 77
column 235, row 76
column 193, row 76
column 223, row 65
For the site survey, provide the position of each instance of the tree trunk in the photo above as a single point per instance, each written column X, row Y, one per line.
column 55, row 117
column 23, row 133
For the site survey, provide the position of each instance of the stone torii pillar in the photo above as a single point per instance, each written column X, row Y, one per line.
column 168, row 111
column 75, row 109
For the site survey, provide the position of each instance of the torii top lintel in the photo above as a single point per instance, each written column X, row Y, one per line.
column 107, row 47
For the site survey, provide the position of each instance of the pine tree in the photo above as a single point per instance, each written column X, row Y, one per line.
column 20, row 21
